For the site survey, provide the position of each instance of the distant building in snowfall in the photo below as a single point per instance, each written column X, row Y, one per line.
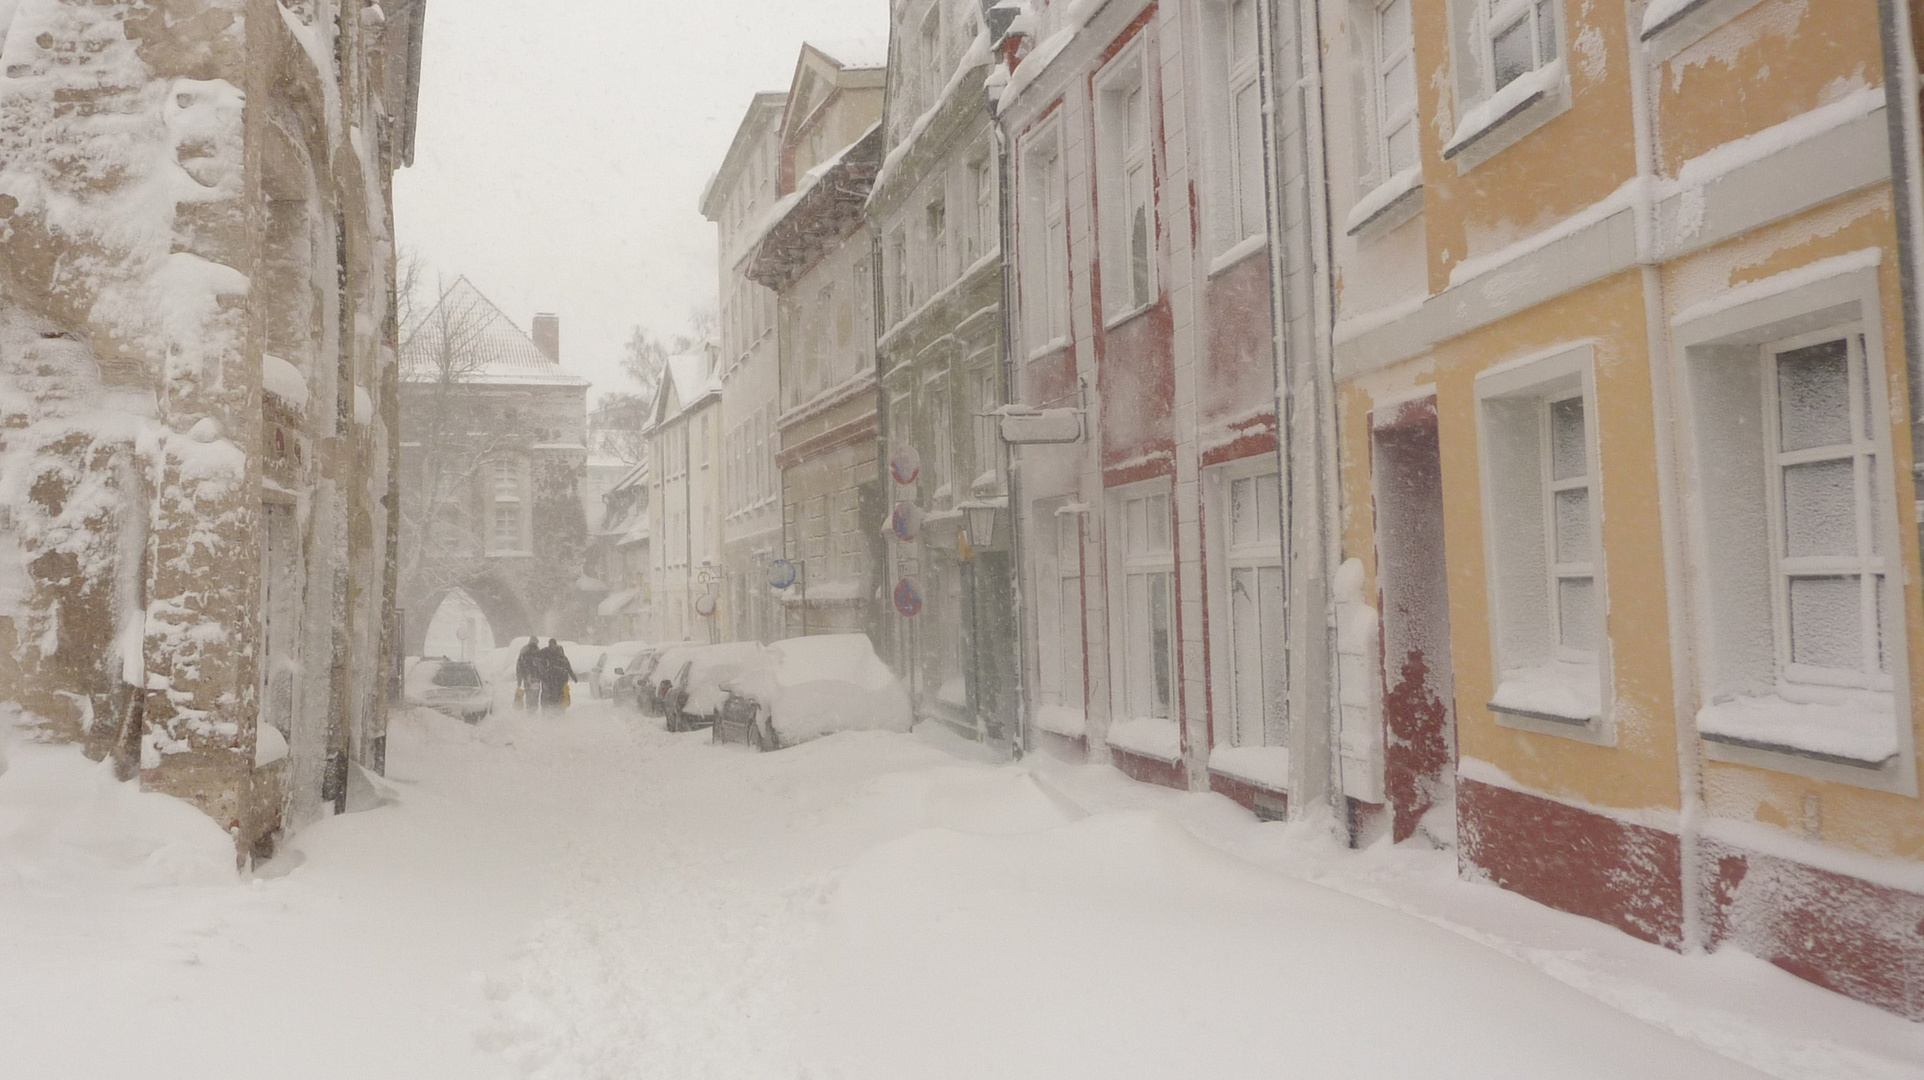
column 616, row 501
column 493, row 460
column 197, row 466
column 685, row 507
column 737, row 200
column 814, row 252
column 614, row 496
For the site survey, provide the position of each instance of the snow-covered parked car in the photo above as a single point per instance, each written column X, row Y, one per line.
column 689, row 680
column 636, row 685
column 454, row 687
column 607, row 668
column 810, row 687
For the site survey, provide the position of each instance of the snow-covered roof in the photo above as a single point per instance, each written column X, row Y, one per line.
column 825, row 207
column 489, row 348
column 855, row 53
column 687, row 379
column 764, row 109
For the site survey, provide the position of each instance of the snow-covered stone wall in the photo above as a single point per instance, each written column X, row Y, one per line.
column 195, row 264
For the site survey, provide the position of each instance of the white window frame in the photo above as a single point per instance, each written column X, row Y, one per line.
column 1044, row 224
column 1386, row 56
column 1867, row 564
column 1731, row 477
column 938, row 458
column 1528, row 624
column 1226, row 556
column 515, row 545
column 899, row 302
column 1146, row 555
column 1126, row 174
column 934, row 71
column 508, row 498
column 984, row 439
column 1244, row 209
column 988, row 237
column 1539, row 20
column 1059, row 638
column 1490, row 118
column 936, row 219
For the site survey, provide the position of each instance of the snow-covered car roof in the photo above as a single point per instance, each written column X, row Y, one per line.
column 711, row 666
column 831, row 682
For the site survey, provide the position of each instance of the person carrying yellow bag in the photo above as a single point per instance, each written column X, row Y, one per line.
column 556, row 674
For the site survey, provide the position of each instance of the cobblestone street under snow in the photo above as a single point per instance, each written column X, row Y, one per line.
column 590, row 896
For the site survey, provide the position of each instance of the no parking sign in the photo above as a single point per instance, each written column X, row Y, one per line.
column 908, row 598
column 905, row 465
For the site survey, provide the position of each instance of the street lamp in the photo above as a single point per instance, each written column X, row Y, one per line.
column 980, row 519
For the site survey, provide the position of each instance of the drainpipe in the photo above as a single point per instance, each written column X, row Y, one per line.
column 1305, row 397
column 1678, row 571
column 1901, row 118
column 1005, row 241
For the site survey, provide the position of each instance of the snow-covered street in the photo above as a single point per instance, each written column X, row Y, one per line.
column 593, row 897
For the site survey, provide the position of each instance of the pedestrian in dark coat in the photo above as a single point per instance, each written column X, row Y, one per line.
column 556, row 673
column 527, row 675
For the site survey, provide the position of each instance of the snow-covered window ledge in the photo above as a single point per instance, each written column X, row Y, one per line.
column 1671, row 26
column 1147, row 736
column 1063, row 720
column 1235, row 255
column 1387, row 205
column 1526, row 104
column 1121, row 317
column 1266, row 767
column 1850, row 728
column 1048, row 348
column 1567, row 695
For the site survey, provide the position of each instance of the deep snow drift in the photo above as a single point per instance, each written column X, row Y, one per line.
column 589, row 896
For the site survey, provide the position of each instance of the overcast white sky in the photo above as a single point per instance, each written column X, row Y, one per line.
column 559, row 160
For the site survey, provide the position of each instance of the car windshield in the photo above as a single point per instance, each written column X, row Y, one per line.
column 457, row 675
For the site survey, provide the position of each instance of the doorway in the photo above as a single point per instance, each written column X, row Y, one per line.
column 1419, row 691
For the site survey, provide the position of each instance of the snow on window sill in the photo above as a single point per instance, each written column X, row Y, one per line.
column 1481, row 125
column 1234, row 256
column 1062, row 720
column 1264, row 766
column 1560, row 691
column 1147, row 736
column 1842, row 727
column 1121, row 317
column 1389, row 203
column 1053, row 345
column 1670, row 26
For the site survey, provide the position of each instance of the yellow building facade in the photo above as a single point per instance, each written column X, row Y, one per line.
column 1624, row 343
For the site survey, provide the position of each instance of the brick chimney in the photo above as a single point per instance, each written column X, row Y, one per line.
column 547, row 335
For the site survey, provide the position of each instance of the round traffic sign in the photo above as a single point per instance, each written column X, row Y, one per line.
column 908, row 597
column 905, row 465
column 906, row 521
column 781, row 574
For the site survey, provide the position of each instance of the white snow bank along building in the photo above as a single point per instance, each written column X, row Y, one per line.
column 197, row 392
column 494, row 455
